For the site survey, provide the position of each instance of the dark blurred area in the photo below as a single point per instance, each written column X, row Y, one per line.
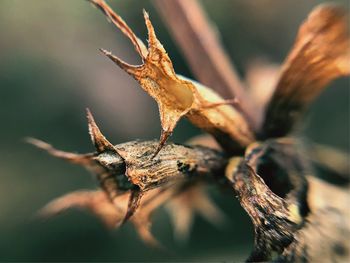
column 51, row 70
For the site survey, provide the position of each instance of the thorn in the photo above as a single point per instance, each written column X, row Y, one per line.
column 121, row 25
column 83, row 159
column 145, row 14
column 130, row 69
column 134, row 202
column 152, row 38
column 97, row 138
column 163, row 138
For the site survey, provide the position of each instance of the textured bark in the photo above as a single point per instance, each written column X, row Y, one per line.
column 306, row 222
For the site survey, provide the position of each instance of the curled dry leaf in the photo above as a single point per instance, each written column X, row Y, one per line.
column 177, row 96
column 320, row 54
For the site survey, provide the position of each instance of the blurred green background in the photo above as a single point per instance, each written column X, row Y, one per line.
column 51, row 70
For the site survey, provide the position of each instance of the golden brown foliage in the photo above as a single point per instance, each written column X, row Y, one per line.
column 320, row 54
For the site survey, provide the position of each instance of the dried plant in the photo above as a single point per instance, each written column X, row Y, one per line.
column 296, row 216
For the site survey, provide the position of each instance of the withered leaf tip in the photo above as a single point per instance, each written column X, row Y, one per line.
column 97, row 138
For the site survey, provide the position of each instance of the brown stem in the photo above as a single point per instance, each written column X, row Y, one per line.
column 257, row 180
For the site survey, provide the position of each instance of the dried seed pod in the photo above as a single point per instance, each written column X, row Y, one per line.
column 130, row 166
column 177, row 96
column 271, row 181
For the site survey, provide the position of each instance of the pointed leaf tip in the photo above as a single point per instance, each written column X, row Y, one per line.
column 134, row 203
column 120, row 23
column 130, row 69
column 163, row 139
column 145, row 13
column 82, row 159
column 152, row 38
column 97, row 138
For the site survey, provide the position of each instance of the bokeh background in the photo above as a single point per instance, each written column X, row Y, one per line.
column 51, row 70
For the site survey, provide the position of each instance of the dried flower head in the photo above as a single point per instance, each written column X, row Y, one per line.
column 272, row 178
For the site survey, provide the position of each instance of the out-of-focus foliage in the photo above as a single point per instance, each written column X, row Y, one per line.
column 50, row 70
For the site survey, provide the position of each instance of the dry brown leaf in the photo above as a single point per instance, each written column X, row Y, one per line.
column 111, row 213
column 320, row 54
column 177, row 96
column 96, row 202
